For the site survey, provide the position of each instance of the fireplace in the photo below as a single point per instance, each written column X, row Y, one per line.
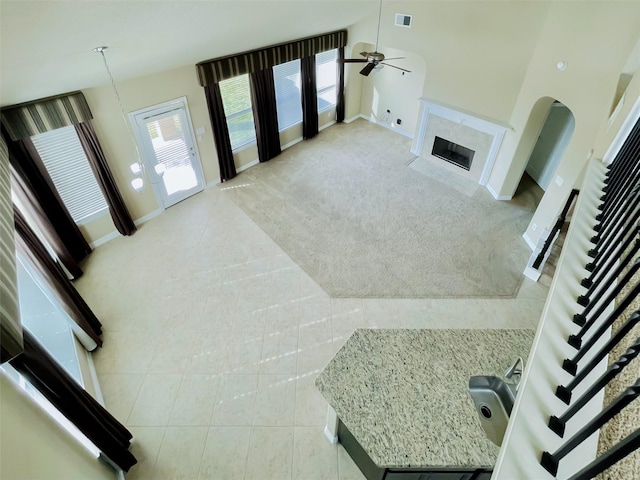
column 452, row 153
column 468, row 144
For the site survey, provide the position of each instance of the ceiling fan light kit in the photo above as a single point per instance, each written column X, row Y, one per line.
column 375, row 59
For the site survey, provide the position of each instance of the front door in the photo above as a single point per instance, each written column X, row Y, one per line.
column 171, row 160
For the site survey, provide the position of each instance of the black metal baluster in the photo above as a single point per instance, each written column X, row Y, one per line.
column 628, row 235
column 622, row 167
column 564, row 393
column 624, row 161
column 600, row 256
column 591, row 282
column 575, row 340
column 599, row 251
column 617, row 188
column 612, row 456
column 611, row 221
column 550, row 460
column 557, row 424
column 607, row 275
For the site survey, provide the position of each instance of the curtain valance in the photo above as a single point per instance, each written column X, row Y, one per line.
column 213, row 71
column 46, row 114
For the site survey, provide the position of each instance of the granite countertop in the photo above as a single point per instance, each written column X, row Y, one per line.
column 403, row 393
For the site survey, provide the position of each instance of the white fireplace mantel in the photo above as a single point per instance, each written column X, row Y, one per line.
column 429, row 108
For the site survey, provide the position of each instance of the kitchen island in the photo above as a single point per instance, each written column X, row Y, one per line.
column 401, row 399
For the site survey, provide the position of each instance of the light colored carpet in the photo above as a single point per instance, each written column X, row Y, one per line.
column 346, row 207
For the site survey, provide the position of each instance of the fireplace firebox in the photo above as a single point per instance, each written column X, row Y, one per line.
column 452, row 153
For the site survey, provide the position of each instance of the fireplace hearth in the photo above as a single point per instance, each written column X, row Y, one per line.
column 452, row 153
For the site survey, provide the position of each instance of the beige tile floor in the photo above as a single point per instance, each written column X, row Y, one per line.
column 213, row 337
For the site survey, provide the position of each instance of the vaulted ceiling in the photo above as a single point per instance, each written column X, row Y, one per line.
column 46, row 46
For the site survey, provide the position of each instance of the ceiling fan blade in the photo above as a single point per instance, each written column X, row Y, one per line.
column 353, row 60
column 364, row 54
column 367, row 69
column 403, row 69
column 395, row 58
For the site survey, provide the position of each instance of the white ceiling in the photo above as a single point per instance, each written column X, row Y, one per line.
column 46, row 46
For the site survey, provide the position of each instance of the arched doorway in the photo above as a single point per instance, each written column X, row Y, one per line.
column 545, row 139
column 551, row 145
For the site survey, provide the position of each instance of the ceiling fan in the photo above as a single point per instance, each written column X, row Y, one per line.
column 374, row 59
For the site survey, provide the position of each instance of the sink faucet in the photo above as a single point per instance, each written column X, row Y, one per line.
column 515, row 369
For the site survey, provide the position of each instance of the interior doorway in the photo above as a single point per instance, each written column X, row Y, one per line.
column 552, row 142
column 167, row 144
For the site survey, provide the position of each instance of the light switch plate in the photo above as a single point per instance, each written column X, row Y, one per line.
column 199, row 130
column 559, row 181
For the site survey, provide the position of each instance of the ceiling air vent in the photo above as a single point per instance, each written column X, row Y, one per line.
column 403, row 20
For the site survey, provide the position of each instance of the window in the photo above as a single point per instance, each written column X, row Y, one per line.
column 45, row 319
column 326, row 75
column 236, row 98
column 288, row 97
column 68, row 167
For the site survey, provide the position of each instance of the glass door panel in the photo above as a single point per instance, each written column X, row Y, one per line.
column 170, row 157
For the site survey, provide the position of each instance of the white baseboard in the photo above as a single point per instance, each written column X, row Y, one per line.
column 105, row 239
column 148, row 217
column 327, row 125
column 389, row 127
column 212, row 183
column 530, row 242
column 355, row 117
column 291, row 143
column 531, row 273
column 114, row 234
column 495, row 194
column 248, row 165
column 332, row 438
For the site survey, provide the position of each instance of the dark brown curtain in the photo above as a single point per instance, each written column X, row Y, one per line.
column 10, row 325
column 220, row 132
column 91, row 418
column 309, row 97
column 340, row 87
column 70, row 300
column 33, row 186
column 265, row 115
column 117, row 208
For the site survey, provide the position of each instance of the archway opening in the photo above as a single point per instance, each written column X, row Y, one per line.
column 546, row 136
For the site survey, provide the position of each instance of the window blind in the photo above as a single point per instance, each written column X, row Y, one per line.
column 288, row 100
column 68, row 167
column 326, row 77
column 236, row 99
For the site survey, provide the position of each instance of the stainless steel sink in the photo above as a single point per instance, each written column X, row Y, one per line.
column 494, row 401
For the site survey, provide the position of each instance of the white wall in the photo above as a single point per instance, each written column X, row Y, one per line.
column 379, row 91
column 33, row 446
column 595, row 39
column 474, row 54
